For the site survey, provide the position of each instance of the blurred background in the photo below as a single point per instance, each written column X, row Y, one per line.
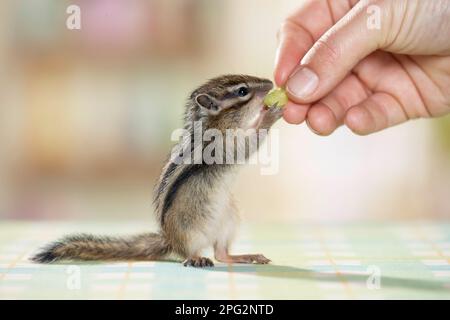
column 86, row 117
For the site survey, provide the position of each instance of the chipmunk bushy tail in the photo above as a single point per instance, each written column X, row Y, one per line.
column 149, row 246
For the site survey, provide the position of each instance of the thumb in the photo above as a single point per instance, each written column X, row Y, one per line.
column 335, row 54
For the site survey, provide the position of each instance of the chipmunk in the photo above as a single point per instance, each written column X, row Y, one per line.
column 193, row 202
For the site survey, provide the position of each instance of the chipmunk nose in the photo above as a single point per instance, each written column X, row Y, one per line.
column 266, row 85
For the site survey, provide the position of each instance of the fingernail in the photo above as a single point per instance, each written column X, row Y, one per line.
column 302, row 83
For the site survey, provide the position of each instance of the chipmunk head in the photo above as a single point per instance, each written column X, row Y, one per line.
column 234, row 101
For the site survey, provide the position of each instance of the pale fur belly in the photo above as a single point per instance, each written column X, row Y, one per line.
column 221, row 223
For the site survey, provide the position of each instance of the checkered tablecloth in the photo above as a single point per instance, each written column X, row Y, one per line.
column 310, row 261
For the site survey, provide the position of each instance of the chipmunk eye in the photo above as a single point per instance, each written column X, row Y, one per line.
column 242, row 92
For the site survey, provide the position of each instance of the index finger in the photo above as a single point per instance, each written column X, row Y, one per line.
column 294, row 42
column 301, row 30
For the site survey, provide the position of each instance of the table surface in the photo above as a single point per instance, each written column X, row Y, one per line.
column 309, row 261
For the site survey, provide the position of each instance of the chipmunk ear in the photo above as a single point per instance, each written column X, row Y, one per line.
column 208, row 102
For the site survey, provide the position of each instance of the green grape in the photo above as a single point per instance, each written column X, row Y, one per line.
column 276, row 97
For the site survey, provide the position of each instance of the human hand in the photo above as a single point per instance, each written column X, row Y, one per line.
column 337, row 70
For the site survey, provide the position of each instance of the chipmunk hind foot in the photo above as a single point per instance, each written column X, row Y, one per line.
column 198, row 262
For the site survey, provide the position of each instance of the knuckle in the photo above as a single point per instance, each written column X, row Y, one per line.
column 328, row 52
column 281, row 30
column 287, row 28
